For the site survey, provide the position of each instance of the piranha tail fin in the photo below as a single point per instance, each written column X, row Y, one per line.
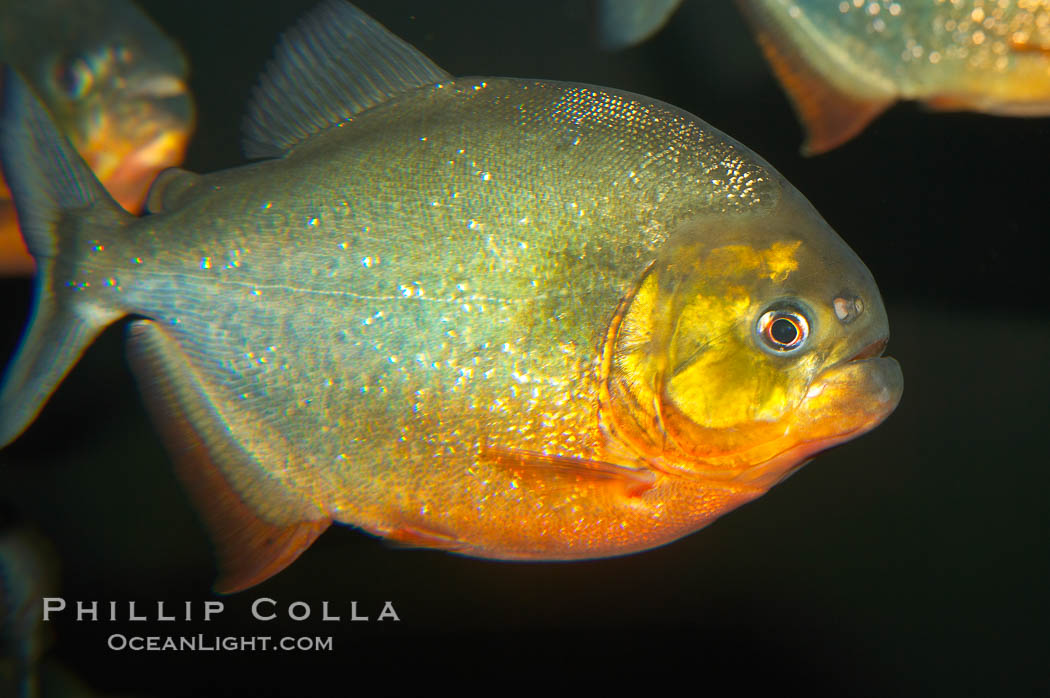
column 61, row 207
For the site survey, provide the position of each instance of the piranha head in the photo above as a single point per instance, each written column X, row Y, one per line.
column 753, row 342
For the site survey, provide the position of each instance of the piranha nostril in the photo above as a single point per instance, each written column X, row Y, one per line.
column 847, row 308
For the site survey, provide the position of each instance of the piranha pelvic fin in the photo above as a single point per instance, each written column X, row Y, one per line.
column 544, row 470
column 226, row 484
column 409, row 536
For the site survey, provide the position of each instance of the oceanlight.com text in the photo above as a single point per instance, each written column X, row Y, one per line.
column 218, row 643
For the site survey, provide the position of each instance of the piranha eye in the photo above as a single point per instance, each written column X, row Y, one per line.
column 73, row 77
column 783, row 329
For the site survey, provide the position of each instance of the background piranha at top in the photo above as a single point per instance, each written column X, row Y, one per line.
column 844, row 63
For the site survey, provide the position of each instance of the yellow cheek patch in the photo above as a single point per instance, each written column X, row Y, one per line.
column 711, row 315
column 730, row 387
column 774, row 263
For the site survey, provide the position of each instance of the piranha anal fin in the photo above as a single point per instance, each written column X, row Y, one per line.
column 548, row 470
column 830, row 114
column 336, row 62
column 249, row 547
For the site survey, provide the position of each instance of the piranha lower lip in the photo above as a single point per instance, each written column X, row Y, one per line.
column 871, row 351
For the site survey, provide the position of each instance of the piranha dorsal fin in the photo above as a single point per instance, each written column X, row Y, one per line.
column 830, row 115
column 222, row 480
column 336, row 62
column 60, row 203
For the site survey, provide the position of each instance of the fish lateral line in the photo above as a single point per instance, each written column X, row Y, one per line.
column 231, row 283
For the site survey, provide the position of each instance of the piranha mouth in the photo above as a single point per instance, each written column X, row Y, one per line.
column 848, row 399
column 868, row 361
column 873, row 350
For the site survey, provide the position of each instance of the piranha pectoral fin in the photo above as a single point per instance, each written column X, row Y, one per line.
column 545, row 470
column 830, row 114
column 250, row 546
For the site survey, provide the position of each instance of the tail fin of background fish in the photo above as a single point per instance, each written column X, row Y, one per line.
column 831, row 113
column 61, row 208
column 624, row 23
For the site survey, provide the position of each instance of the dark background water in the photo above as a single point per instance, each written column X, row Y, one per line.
column 913, row 561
